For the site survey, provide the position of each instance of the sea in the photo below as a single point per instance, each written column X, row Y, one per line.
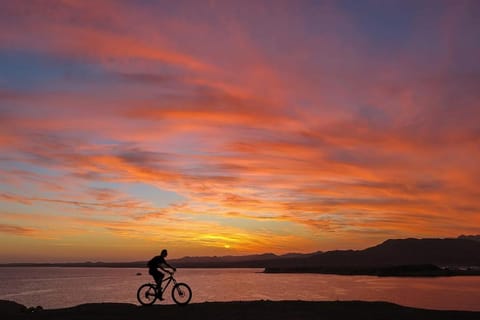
column 56, row 287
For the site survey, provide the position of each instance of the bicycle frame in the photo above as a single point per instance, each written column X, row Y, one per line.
column 168, row 279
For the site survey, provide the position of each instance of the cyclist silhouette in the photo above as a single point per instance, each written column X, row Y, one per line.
column 159, row 262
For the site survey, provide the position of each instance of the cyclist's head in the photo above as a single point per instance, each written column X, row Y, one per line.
column 164, row 253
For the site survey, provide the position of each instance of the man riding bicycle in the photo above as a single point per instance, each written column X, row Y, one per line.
column 159, row 262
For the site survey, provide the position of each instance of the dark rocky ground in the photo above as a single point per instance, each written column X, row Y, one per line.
column 264, row 310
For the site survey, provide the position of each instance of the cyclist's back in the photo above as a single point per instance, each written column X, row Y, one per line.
column 155, row 261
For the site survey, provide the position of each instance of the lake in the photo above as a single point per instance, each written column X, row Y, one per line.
column 64, row 287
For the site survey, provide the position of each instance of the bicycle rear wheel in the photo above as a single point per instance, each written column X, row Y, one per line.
column 181, row 293
column 147, row 294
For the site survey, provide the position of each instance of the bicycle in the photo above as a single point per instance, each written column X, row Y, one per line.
column 148, row 293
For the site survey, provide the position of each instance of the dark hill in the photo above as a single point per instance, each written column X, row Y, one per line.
column 421, row 251
column 399, row 252
column 472, row 237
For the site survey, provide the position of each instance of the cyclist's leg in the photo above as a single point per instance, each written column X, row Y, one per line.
column 160, row 290
column 158, row 277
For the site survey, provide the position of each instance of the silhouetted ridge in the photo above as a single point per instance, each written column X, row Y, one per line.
column 249, row 261
column 424, row 251
column 470, row 237
column 421, row 254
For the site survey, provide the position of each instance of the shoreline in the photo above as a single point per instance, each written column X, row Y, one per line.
column 263, row 309
column 425, row 271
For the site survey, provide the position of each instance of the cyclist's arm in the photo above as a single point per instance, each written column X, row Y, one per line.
column 165, row 270
column 173, row 268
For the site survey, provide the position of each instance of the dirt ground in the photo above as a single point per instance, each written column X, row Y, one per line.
column 258, row 310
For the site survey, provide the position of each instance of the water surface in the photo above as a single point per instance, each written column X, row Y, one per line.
column 64, row 287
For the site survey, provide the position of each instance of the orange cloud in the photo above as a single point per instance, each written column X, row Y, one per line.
column 16, row 230
column 256, row 129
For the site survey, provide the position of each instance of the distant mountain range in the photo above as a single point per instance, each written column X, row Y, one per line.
column 476, row 238
column 461, row 251
column 249, row 261
column 440, row 252
column 428, row 254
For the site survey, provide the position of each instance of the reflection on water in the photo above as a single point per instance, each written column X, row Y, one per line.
column 63, row 287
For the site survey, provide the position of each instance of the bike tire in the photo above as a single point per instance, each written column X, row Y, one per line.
column 181, row 294
column 147, row 294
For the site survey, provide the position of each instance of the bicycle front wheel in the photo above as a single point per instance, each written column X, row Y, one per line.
column 181, row 293
column 147, row 294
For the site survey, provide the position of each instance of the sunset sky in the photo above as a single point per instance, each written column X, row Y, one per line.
column 235, row 127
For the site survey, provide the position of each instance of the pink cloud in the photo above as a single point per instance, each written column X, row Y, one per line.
column 315, row 132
